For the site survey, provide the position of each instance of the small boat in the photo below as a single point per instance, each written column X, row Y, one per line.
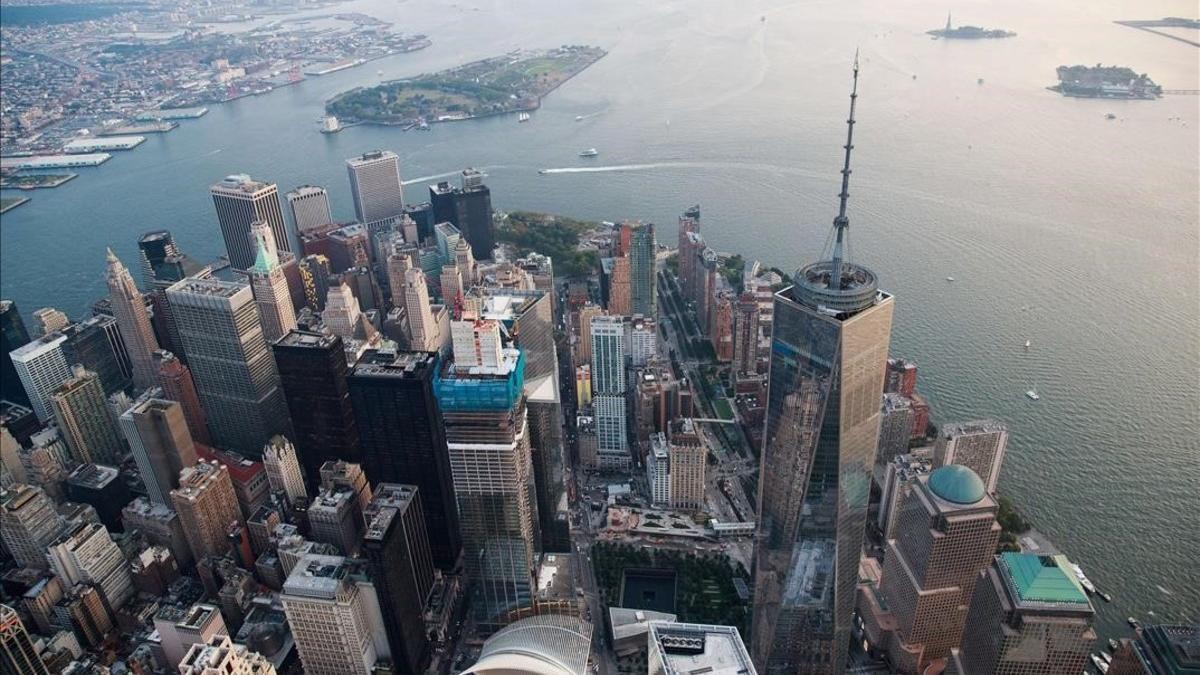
column 949, row 278
column 579, row 118
column 1028, row 344
column 1033, row 395
column 543, row 171
column 1105, row 596
column 379, row 73
column 1113, row 644
column 979, row 81
column 1133, row 622
column 1107, row 657
column 590, row 152
column 523, row 117
column 1110, row 116
column 1099, row 663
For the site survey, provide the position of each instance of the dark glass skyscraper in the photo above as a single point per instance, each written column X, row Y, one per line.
column 12, row 335
column 828, row 354
column 469, row 208
column 397, row 546
column 88, row 344
column 403, row 438
column 643, row 290
column 312, row 372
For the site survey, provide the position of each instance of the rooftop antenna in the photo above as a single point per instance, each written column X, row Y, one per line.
column 841, row 222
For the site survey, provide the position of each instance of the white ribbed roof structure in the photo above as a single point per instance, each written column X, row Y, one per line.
column 552, row 644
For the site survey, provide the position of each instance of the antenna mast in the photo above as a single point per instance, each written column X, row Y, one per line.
column 841, row 223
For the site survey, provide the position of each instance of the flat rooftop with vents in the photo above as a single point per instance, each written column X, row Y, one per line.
column 697, row 649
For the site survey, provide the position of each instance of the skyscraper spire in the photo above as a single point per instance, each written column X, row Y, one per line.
column 129, row 309
column 841, row 222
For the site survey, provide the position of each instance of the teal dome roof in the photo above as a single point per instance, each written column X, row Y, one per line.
column 956, row 483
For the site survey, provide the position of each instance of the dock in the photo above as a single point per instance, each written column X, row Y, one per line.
column 1170, row 22
column 88, row 145
column 54, row 161
column 333, row 67
column 171, row 114
column 10, row 203
column 160, row 127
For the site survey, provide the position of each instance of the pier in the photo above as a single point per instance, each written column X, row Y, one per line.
column 88, row 145
column 54, row 161
column 1169, row 22
column 145, row 128
column 171, row 114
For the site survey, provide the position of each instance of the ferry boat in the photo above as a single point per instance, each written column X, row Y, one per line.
column 1033, row 395
column 523, row 117
column 590, row 152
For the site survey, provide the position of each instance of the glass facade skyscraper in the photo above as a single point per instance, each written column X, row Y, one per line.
column 828, row 355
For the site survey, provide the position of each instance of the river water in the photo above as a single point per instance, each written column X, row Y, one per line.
column 1060, row 227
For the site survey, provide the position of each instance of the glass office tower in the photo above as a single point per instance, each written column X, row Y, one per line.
column 828, row 354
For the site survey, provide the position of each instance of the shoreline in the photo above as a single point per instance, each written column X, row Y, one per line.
column 5, row 207
column 411, row 123
column 60, row 179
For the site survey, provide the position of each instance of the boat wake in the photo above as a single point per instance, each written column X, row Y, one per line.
column 423, row 179
column 448, row 174
column 622, row 167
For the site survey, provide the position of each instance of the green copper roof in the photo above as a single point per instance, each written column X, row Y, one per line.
column 263, row 262
column 956, row 483
column 1042, row 578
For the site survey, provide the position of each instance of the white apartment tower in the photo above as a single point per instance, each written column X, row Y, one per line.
column 978, row 445
column 608, row 387
column 476, row 343
column 132, row 321
column 42, row 366
column 335, row 618
column 28, row 523
column 658, row 470
column 643, row 340
column 85, row 553
column 220, row 656
column 309, row 205
column 376, row 187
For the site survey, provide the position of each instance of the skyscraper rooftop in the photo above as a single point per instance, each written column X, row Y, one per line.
column 957, row 483
column 1042, row 581
column 836, row 285
column 692, row 649
column 391, row 363
column 240, row 182
column 210, row 287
